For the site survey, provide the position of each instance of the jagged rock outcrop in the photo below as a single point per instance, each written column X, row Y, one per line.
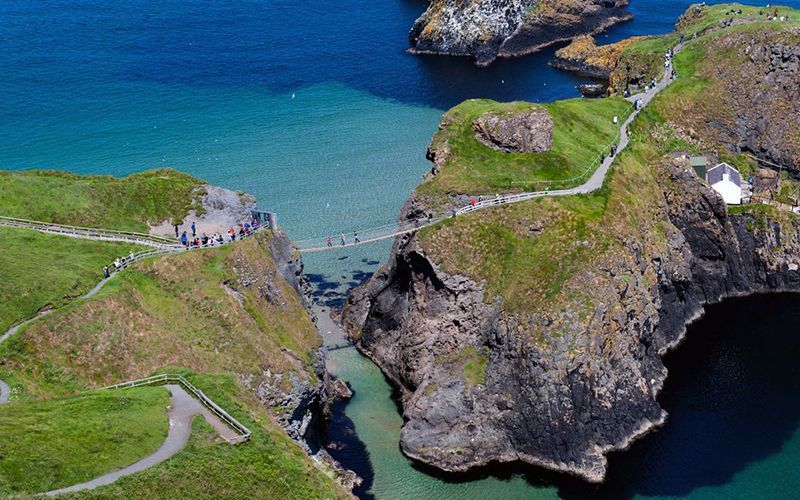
column 485, row 29
column 560, row 390
column 515, row 132
column 584, row 56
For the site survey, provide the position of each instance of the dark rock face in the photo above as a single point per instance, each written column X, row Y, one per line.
column 518, row 132
column 485, row 29
column 753, row 101
column 559, row 391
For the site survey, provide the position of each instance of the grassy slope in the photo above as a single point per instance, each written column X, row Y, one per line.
column 175, row 311
column 269, row 466
column 581, row 129
column 168, row 311
column 52, row 444
column 533, row 270
column 99, row 201
column 40, row 270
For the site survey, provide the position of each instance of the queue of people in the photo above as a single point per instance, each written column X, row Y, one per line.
column 240, row 231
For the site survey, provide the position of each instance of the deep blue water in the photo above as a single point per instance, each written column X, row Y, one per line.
column 316, row 108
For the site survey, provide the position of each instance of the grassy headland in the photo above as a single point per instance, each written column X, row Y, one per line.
column 225, row 313
column 582, row 128
column 545, row 253
column 103, row 201
column 268, row 466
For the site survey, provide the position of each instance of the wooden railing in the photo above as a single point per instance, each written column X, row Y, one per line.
column 164, row 378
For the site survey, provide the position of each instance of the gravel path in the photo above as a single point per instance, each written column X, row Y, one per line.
column 182, row 410
column 5, row 392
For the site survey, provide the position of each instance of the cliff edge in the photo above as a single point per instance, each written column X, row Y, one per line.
column 534, row 332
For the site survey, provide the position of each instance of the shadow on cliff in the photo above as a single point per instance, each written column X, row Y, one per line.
column 732, row 400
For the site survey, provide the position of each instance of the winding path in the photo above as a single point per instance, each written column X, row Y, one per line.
column 182, row 410
column 594, row 183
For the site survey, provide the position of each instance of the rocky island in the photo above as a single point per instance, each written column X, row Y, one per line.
column 486, row 29
column 535, row 332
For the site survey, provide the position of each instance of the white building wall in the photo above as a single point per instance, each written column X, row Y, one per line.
column 730, row 192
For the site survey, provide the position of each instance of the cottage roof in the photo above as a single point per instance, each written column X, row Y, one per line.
column 717, row 174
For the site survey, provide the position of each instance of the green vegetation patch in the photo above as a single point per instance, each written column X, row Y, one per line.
column 547, row 251
column 217, row 309
column 103, row 201
column 269, row 466
column 46, row 445
column 582, row 129
column 39, row 270
column 471, row 361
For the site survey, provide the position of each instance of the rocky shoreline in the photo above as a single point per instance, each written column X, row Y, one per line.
column 487, row 29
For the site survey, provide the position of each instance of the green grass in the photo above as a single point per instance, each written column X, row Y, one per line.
column 582, row 128
column 170, row 310
column 40, row 270
column 549, row 253
column 51, row 444
column 268, row 466
column 99, row 201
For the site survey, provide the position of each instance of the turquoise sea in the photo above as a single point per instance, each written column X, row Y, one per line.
column 315, row 108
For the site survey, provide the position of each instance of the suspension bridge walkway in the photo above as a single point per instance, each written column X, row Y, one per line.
column 595, row 176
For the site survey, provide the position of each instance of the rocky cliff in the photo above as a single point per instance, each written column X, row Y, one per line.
column 553, row 388
column 534, row 332
column 485, row 29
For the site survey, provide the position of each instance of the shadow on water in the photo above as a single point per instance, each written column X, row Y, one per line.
column 731, row 398
column 345, row 446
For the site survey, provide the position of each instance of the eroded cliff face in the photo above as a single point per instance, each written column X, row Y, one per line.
column 485, row 29
column 560, row 388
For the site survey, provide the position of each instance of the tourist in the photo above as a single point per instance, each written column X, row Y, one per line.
column 194, row 230
column 232, row 233
column 472, row 202
column 176, row 230
column 329, row 240
column 356, row 238
column 343, row 239
column 204, row 239
column 184, row 239
column 220, row 239
column 602, row 157
column 106, row 272
column 117, row 264
column 430, row 218
column 130, row 256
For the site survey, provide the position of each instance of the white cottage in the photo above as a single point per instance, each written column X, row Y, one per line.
column 727, row 181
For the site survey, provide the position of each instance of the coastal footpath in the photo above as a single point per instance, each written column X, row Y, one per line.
column 486, row 29
column 534, row 332
column 231, row 319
